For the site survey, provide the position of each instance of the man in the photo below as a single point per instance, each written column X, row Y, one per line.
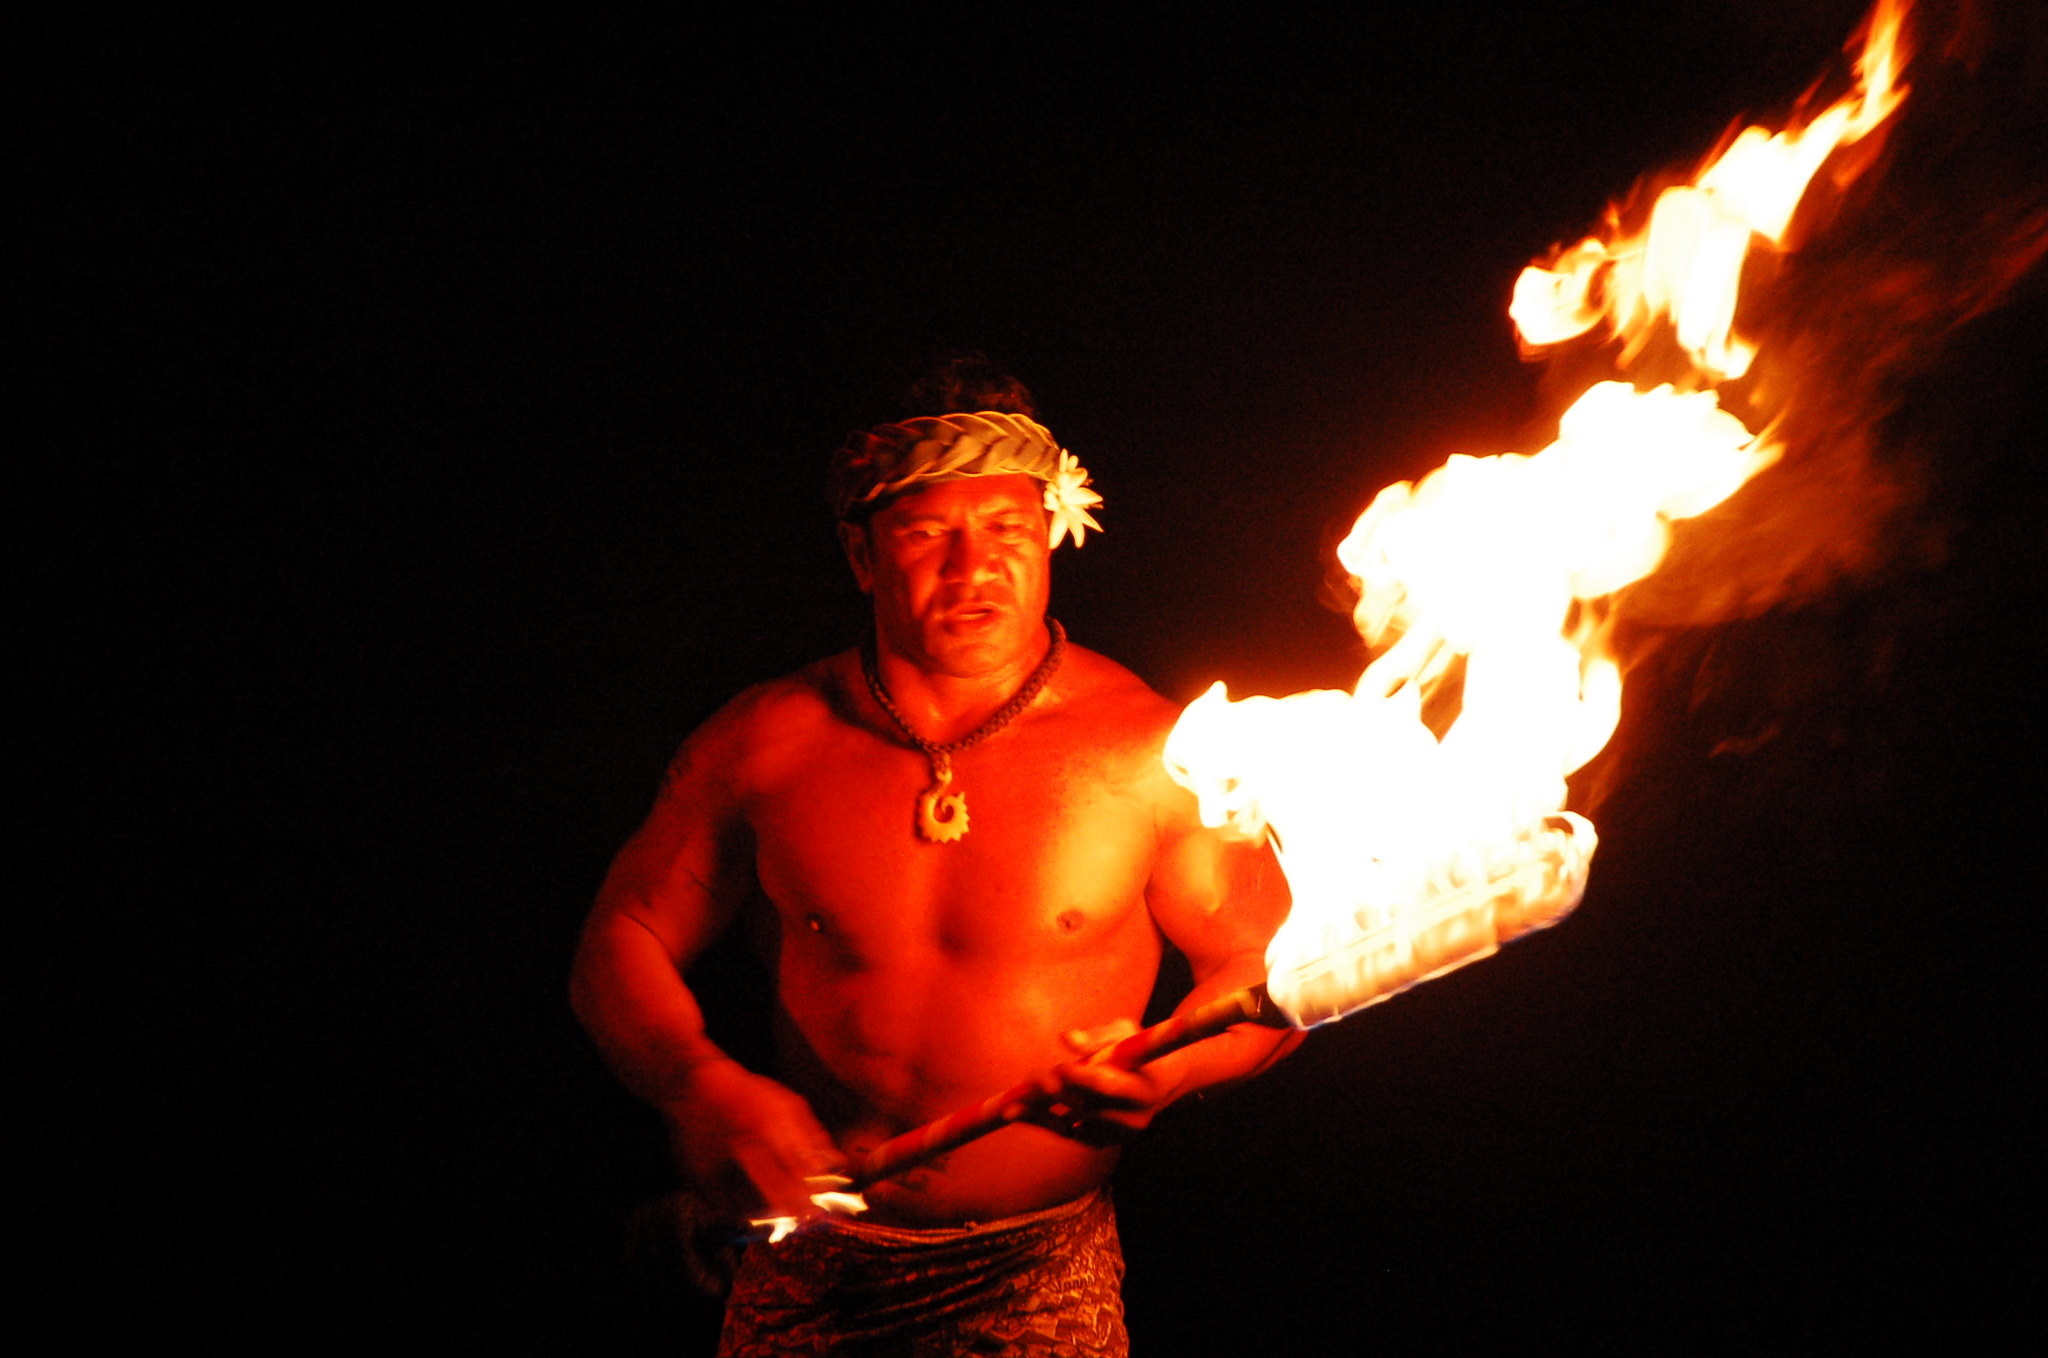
column 958, row 853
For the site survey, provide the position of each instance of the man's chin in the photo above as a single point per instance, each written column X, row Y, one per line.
column 969, row 646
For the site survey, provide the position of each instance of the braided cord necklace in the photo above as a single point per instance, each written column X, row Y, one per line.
column 942, row 815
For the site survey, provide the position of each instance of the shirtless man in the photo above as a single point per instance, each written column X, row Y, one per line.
column 938, row 921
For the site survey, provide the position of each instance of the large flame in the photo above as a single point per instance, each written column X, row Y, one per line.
column 1421, row 817
column 1685, row 265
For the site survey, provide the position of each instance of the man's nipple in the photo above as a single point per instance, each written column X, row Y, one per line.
column 1069, row 920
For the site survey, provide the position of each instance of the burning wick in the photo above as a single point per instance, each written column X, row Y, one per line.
column 828, row 1197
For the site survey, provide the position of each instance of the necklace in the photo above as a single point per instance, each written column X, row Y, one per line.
column 942, row 815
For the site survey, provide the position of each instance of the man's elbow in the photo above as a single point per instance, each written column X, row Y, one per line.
column 588, row 974
column 615, row 959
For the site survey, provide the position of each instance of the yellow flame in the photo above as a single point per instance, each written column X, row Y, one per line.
column 1685, row 265
column 831, row 1199
column 1485, row 585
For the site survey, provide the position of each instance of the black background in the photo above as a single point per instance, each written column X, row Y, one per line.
column 438, row 424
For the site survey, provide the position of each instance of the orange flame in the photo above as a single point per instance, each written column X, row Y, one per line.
column 1488, row 585
column 1685, row 265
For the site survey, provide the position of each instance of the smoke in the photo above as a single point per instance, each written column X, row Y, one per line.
column 1911, row 235
column 1776, row 631
column 1781, row 631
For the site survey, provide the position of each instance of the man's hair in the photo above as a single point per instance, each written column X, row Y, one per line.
column 964, row 381
column 956, row 382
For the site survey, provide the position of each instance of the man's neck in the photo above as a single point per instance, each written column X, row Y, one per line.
column 943, row 707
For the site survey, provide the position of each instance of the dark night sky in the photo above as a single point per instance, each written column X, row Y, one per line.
column 440, row 438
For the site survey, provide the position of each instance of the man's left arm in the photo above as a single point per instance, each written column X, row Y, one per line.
column 1219, row 900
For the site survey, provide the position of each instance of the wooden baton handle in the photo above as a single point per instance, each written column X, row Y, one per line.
column 923, row 1144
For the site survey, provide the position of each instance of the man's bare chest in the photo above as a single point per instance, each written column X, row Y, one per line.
column 1059, row 846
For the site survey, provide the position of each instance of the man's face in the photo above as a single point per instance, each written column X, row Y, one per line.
column 959, row 572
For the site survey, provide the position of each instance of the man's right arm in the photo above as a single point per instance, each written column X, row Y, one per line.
column 743, row 1139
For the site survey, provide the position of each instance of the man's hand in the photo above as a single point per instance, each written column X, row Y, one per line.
column 1092, row 1101
column 747, row 1143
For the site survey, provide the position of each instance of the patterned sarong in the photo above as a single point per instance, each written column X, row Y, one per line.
column 1040, row 1285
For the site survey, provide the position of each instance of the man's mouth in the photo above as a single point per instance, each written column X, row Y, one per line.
column 972, row 611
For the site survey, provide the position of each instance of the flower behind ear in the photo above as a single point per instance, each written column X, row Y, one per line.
column 1068, row 500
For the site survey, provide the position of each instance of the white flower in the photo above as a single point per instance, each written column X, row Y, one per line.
column 1068, row 500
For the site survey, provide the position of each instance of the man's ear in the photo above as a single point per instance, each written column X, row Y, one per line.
column 853, row 540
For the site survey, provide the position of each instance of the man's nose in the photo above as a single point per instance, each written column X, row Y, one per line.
column 970, row 555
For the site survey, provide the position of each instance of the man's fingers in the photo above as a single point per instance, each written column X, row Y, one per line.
column 1090, row 1099
column 778, row 1179
column 1105, row 1086
column 1098, row 1040
column 1091, row 1082
column 784, row 1150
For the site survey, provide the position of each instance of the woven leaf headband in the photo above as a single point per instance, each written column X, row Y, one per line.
column 892, row 458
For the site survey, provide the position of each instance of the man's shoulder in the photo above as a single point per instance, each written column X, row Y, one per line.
column 769, row 720
column 1104, row 692
column 780, row 708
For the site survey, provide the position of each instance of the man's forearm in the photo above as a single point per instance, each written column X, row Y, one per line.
column 1238, row 1054
column 631, row 1000
column 740, row 1137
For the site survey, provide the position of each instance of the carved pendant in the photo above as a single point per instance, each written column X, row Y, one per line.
column 942, row 815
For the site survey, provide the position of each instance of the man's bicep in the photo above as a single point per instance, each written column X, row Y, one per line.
column 686, row 870
column 1217, row 898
